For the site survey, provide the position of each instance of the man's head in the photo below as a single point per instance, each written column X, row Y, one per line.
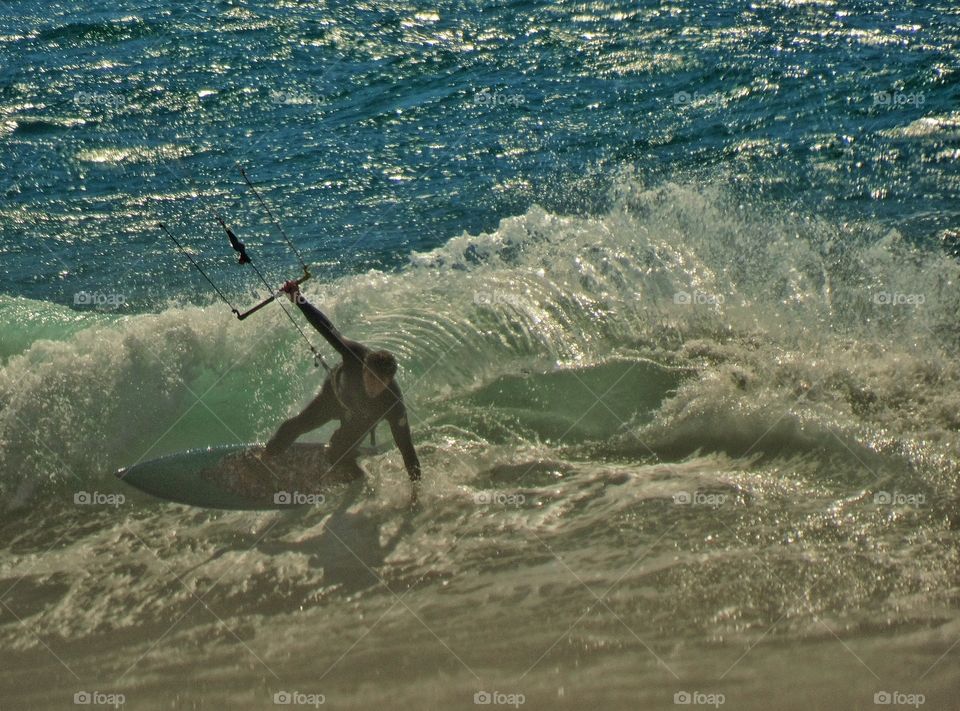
column 379, row 367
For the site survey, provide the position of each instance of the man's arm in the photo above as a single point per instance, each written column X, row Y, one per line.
column 343, row 346
column 400, row 428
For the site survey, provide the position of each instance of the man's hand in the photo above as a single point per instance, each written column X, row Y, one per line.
column 291, row 289
column 255, row 453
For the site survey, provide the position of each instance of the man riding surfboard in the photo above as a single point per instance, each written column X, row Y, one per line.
column 359, row 392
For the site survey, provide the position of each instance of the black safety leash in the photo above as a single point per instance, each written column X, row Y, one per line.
column 253, row 189
column 199, row 268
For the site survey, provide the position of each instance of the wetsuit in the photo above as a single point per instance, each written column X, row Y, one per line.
column 344, row 398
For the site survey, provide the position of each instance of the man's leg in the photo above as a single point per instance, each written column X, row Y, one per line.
column 321, row 410
column 342, row 448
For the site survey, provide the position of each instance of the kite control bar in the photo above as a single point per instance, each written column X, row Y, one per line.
column 269, row 300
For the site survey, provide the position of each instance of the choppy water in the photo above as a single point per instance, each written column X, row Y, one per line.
column 674, row 289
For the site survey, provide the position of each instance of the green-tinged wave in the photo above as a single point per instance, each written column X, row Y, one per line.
column 667, row 326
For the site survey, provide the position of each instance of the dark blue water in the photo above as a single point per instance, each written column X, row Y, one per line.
column 375, row 130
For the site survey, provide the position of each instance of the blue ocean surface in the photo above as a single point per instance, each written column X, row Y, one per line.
column 380, row 128
column 674, row 291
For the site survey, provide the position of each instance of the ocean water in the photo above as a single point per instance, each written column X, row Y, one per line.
column 674, row 288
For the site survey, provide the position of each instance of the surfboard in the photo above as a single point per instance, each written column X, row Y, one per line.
column 235, row 477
